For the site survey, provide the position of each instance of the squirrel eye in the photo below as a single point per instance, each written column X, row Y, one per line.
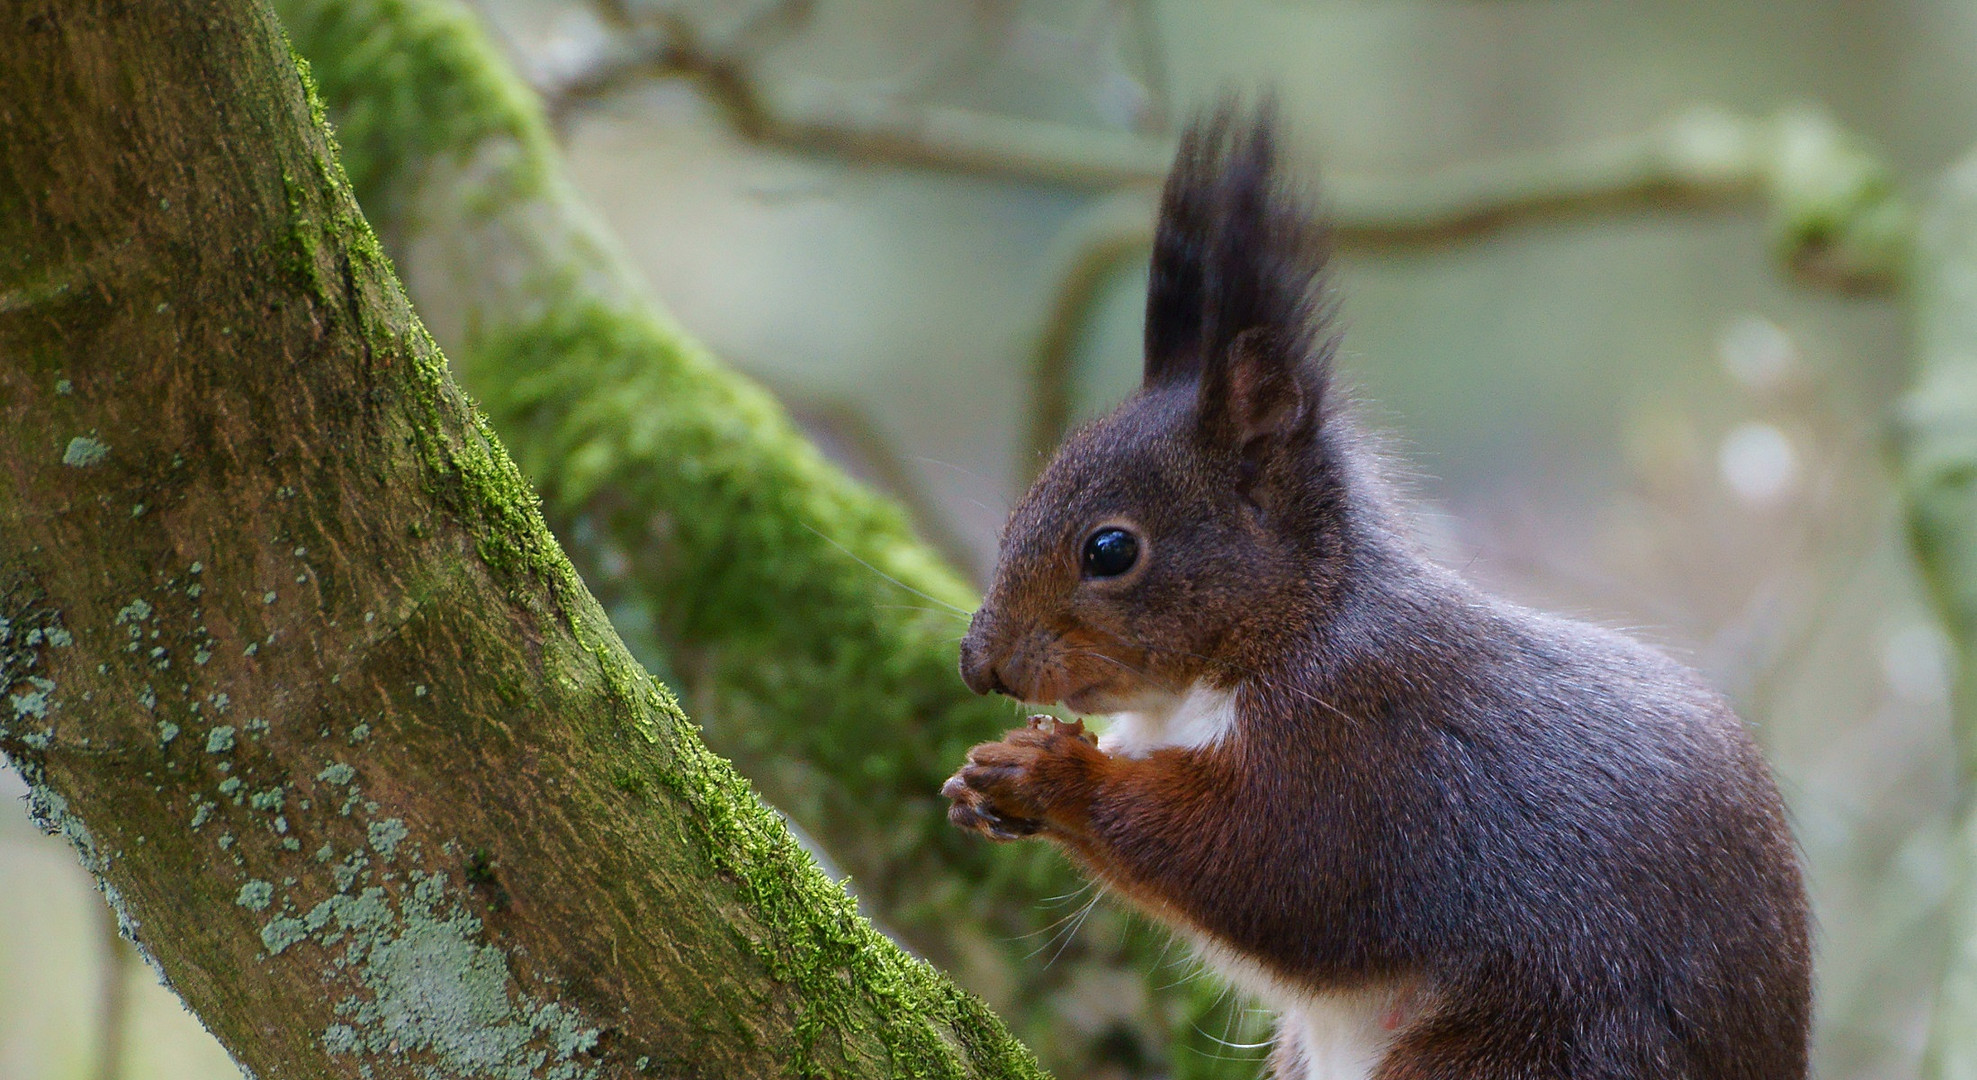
column 1110, row 552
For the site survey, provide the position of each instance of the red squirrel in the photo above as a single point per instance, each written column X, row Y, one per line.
column 1439, row 834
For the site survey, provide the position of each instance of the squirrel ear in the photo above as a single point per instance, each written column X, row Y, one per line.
column 1255, row 397
column 1237, row 296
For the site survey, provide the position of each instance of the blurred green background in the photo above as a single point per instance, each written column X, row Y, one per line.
column 1631, row 415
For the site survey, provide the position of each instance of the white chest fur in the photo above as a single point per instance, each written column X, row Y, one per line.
column 1337, row 1036
column 1202, row 716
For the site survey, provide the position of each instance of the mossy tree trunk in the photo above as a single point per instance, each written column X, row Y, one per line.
column 809, row 629
column 295, row 665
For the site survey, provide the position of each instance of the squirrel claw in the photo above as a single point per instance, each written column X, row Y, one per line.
column 971, row 812
column 1024, row 784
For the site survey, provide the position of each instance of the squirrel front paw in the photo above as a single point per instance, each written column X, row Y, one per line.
column 1039, row 776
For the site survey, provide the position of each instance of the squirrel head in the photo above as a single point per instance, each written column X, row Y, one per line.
column 1201, row 523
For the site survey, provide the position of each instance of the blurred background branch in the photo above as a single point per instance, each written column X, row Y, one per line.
column 113, row 1014
column 1938, row 472
column 1836, row 217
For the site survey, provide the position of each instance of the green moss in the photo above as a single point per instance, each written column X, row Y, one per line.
column 822, row 946
column 469, row 473
column 629, row 782
column 412, row 80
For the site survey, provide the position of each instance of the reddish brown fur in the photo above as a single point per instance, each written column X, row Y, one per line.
column 1563, row 844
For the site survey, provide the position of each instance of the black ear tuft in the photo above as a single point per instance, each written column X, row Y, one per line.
column 1177, row 281
column 1237, row 277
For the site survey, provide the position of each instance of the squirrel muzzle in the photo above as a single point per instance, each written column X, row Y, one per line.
column 978, row 660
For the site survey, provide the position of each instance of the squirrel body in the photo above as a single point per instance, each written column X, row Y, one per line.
column 1440, row 834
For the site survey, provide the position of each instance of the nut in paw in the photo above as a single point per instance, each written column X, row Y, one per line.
column 1025, row 783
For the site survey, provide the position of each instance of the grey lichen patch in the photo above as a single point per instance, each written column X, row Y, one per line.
column 255, row 895
column 427, row 988
column 84, row 451
column 386, row 835
column 281, row 932
column 219, row 740
column 350, row 871
column 25, row 632
column 167, row 731
column 50, row 811
column 34, row 703
column 436, row 989
column 341, row 1039
column 337, row 773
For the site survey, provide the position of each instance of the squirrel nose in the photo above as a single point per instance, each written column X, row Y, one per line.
column 983, row 678
column 979, row 672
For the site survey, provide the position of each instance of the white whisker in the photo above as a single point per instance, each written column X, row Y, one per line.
column 849, row 554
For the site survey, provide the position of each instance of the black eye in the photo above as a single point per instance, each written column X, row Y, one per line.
column 1110, row 552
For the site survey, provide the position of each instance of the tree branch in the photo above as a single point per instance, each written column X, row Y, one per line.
column 1837, row 218
column 295, row 665
column 793, row 606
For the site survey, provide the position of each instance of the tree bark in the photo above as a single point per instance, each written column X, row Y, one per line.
column 795, row 608
column 294, row 663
